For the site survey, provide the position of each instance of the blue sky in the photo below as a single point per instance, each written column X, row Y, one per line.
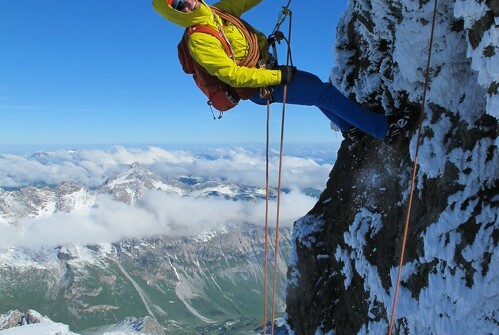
column 87, row 73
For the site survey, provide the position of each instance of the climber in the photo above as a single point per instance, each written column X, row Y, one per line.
column 303, row 88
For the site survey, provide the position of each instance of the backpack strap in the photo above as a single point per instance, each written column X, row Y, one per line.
column 214, row 32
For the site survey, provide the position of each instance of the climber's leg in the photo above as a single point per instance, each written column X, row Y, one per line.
column 309, row 90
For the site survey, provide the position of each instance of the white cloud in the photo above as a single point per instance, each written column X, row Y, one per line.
column 158, row 213
column 92, row 167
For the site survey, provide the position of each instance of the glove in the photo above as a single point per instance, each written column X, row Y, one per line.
column 287, row 74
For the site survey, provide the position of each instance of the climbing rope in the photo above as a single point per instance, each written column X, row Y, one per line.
column 265, row 268
column 276, row 252
column 282, row 17
column 413, row 182
column 249, row 34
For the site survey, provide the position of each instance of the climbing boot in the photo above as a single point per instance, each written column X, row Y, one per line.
column 396, row 125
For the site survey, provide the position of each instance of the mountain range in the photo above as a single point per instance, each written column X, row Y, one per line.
column 208, row 282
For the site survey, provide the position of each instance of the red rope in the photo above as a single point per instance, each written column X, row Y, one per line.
column 413, row 181
column 265, row 269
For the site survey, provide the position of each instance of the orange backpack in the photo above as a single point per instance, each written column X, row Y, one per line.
column 220, row 95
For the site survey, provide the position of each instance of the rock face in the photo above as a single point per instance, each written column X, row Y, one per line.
column 346, row 251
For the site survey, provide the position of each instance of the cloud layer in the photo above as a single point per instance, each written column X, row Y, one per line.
column 158, row 213
column 92, row 167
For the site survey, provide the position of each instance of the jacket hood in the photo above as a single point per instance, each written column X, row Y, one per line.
column 200, row 15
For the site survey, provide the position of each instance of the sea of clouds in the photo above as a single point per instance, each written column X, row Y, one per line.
column 158, row 213
column 91, row 168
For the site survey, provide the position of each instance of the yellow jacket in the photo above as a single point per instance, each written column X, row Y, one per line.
column 207, row 50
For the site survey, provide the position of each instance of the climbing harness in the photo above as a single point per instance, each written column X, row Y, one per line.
column 275, row 36
column 413, row 181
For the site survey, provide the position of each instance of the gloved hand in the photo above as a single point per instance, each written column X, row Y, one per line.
column 287, row 74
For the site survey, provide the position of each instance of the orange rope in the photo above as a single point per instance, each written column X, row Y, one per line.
column 265, row 270
column 413, row 181
column 289, row 61
column 276, row 252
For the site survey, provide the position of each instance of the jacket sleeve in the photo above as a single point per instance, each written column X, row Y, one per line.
column 236, row 7
column 207, row 51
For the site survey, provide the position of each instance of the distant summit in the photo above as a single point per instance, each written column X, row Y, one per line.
column 130, row 185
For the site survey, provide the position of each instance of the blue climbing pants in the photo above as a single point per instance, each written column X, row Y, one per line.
column 307, row 89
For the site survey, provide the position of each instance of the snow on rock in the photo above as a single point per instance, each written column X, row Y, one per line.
column 30, row 323
column 39, row 329
column 483, row 46
column 344, row 264
column 33, row 323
